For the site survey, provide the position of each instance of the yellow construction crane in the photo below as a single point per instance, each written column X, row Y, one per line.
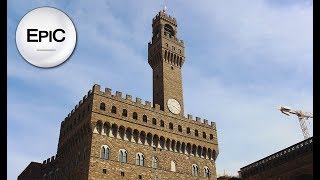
column 303, row 116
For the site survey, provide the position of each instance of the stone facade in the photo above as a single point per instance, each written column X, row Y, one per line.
column 108, row 136
column 166, row 57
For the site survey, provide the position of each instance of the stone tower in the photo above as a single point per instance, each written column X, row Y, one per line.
column 166, row 57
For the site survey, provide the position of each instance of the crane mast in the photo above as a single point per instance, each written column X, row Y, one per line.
column 302, row 116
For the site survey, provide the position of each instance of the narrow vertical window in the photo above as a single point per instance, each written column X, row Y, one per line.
column 102, row 106
column 188, row 130
column 114, row 110
column 154, row 162
column 173, row 166
column 171, row 126
column 145, row 118
column 103, row 152
column 124, row 113
column 161, row 123
column 204, row 135
column 135, row 116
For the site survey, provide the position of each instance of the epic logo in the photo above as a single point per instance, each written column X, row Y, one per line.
column 44, row 34
column 46, row 37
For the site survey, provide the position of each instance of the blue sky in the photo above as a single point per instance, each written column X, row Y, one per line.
column 243, row 59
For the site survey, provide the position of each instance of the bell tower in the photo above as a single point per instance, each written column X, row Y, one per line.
column 166, row 57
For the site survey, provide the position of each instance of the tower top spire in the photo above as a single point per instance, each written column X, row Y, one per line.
column 164, row 6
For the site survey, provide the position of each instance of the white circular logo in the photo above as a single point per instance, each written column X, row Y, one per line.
column 46, row 37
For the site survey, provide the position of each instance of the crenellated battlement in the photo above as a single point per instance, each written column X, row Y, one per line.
column 163, row 19
column 164, row 16
column 147, row 105
column 49, row 160
column 76, row 107
column 198, row 121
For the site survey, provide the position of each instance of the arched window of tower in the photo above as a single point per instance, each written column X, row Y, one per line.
column 124, row 113
column 168, row 30
column 154, row 121
column 196, row 133
column 102, row 107
column 206, row 171
column 114, row 110
column 171, row 126
column 211, row 136
column 204, row 135
column 145, row 118
column 135, row 116
column 162, row 123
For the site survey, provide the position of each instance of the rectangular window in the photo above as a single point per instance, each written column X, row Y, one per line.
column 104, row 171
column 122, row 174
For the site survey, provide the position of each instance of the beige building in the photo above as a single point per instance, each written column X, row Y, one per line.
column 108, row 136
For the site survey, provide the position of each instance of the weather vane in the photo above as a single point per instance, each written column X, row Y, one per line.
column 164, row 6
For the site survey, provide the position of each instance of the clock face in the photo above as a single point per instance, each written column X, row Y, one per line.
column 174, row 106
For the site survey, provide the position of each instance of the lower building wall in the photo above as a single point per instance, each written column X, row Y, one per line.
column 114, row 168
